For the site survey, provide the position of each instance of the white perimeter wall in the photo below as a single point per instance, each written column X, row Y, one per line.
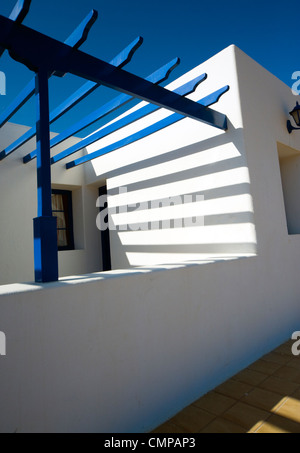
column 124, row 351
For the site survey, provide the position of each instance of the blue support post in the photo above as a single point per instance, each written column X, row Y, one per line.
column 45, row 230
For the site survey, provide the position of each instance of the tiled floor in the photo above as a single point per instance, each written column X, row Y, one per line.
column 264, row 398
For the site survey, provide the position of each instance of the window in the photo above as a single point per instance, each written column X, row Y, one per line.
column 289, row 160
column 62, row 210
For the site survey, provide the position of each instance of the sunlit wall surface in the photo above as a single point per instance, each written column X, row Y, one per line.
column 183, row 193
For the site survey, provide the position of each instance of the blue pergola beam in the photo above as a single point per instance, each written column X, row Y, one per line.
column 172, row 119
column 158, row 76
column 119, row 61
column 184, row 90
column 81, row 33
column 18, row 103
column 20, row 11
column 18, row 14
column 28, row 46
column 123, row 58
column 75, row 40
column 86, row 66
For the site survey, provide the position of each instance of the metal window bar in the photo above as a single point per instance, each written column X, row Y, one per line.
column 67, row 211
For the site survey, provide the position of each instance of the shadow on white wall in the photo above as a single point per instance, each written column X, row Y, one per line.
column 191, row 203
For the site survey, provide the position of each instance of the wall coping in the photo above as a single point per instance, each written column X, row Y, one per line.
column 17, row 288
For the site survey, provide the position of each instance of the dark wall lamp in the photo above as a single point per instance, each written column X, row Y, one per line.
column 295, row 113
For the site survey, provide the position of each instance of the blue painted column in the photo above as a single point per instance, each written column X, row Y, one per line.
column 45, row 230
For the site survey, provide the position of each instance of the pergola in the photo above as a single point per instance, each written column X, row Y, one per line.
column 47, row 57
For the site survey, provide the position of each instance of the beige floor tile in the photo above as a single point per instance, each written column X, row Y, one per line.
column 169, row 428
column 192, row 419
column 250, row 377
column 285, row 349
column 290, row 409
column 276, row 358
column 280, row 386
column 246, row 402
column 221, row 425
column 296, row 394
column 264, row 399
column 294, row 363
column 265, row 367
column 288, row 373
column 234, row 389
column 276, row 424
column 248, row 417
column 215, row 403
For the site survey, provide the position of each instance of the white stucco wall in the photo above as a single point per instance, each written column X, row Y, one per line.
column 187, row 159
column 123, row 351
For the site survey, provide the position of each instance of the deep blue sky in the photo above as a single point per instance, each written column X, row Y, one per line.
column 190, row 29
